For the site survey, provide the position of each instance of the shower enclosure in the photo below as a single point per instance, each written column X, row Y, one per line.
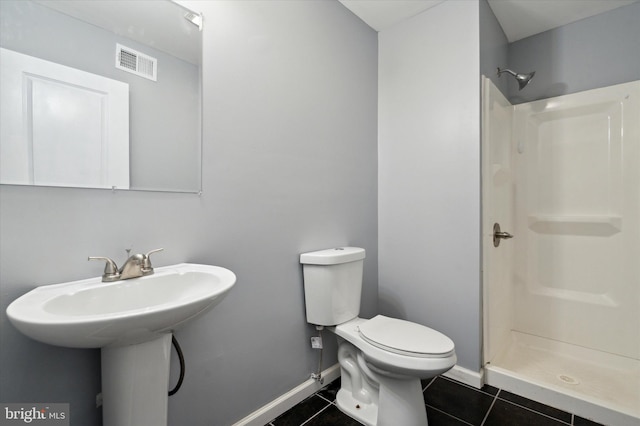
column 562, row 297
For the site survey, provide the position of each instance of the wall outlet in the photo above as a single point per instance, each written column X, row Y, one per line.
column 316, row 342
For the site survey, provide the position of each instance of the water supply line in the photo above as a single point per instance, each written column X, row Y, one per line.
column 176, row 345
column 316, row 343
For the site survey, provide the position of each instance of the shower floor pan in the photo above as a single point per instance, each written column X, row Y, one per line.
column 593, row 384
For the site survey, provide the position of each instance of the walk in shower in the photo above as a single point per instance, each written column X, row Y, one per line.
column 562, row 297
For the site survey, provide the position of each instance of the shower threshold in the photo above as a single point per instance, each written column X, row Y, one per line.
column 593, row 384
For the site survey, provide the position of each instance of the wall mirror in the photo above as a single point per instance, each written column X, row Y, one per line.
column 101, row 94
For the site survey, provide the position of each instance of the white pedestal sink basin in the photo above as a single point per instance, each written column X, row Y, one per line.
column 132, row 321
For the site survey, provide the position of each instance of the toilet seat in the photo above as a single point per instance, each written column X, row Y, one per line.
column 405, row 338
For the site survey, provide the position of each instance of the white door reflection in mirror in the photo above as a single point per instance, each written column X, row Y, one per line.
column 61, row 126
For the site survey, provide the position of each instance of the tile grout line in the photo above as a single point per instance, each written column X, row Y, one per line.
column 537, row 412
column 326, row 399
column 495, row 398
column 467, row 386
column 429, row 384
column 448, row 415
column 334, row 403
column 514, row 403
column 315, row 415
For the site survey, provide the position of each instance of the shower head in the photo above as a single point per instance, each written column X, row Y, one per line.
column 523, row 79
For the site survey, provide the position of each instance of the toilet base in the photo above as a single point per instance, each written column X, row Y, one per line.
column 366, row 413
column 375, row 398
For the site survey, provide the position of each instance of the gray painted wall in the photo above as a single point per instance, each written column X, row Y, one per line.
column 429, row 173
column 494, row 47
column 595, row 52
column 164, row 115
column 290, row 165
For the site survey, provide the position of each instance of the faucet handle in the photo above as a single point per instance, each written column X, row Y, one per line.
column 153, row 251
column 111, row 272
column 147, row 269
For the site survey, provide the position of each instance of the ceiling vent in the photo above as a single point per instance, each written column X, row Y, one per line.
column 137, row 63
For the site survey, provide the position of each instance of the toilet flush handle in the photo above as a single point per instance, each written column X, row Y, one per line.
column 499, row 235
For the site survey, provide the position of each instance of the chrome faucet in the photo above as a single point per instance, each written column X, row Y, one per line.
column 136, row 265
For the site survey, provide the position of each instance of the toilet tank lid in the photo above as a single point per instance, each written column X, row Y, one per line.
column 333, row 256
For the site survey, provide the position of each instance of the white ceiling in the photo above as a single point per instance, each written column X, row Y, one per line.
column 381, row 14
column 518, row 18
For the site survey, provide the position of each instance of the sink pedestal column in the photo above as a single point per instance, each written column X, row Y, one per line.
column 135, row 382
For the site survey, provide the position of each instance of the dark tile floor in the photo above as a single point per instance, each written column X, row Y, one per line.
column 449, row 403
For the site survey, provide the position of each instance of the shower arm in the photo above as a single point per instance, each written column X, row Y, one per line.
column 507, row 71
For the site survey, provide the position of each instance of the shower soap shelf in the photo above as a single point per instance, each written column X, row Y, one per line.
column 595, row 225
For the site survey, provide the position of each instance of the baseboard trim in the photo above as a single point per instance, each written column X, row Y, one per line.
column 466, row 376
column 273, row 409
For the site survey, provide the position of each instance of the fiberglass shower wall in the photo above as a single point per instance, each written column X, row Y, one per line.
column 577, row 259
column 563, row 176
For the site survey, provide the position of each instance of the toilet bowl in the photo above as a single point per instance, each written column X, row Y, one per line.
column 382, row 360
column 399, row 347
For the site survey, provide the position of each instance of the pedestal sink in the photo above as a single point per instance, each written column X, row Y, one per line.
column 131, row 321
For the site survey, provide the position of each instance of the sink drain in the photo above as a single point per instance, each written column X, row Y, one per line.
column 564, row 378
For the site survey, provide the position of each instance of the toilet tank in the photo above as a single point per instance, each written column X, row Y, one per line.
column 332, row 284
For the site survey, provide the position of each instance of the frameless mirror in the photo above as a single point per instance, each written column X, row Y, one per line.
column 100, row 94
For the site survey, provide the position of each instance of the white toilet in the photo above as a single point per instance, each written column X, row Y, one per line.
column 382, row 360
